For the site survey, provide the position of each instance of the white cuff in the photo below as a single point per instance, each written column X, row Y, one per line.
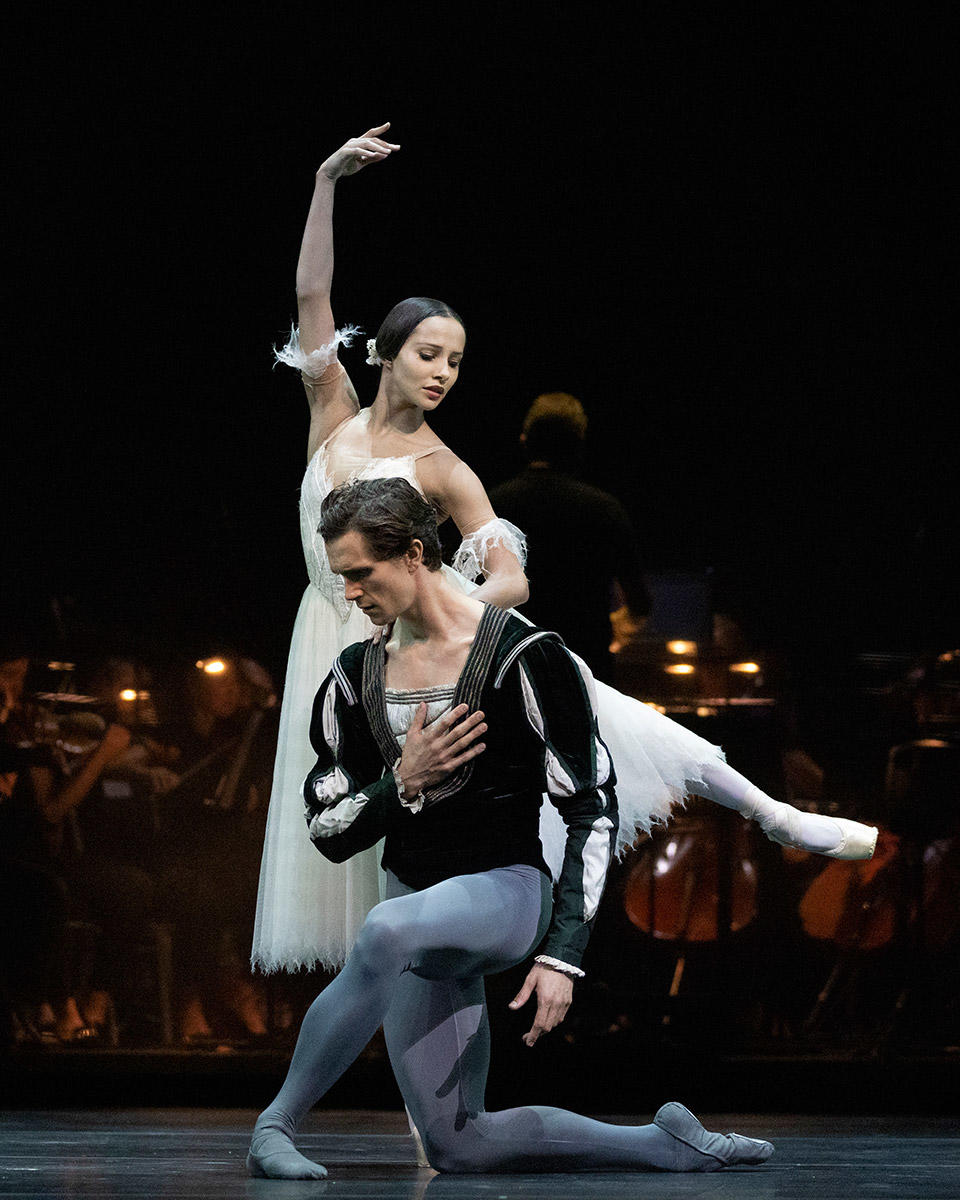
column 417, row 802
column 556, row 965
column 331, row 787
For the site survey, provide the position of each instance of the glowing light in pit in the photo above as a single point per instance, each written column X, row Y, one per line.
column 212, row 666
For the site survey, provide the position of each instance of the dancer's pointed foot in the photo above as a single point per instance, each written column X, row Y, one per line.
column 834, row 837
column 850, row 840
column 859, row 841
column 700, row 1150
column 273, row 1156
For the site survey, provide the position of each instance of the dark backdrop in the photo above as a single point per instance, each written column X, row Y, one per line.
column 730, row 231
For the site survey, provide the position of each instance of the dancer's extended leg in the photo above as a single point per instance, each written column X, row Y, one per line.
column 418, row 963
column 836, row 837
column 437, row 1035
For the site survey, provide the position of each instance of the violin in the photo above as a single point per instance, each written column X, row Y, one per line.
column 35, row 722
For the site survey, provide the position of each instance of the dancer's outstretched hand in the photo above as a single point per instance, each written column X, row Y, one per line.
column 554, row 996
column 358, row 153
column 433, row 752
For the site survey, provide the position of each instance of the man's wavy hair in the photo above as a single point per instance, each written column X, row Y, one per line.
column 390, row 513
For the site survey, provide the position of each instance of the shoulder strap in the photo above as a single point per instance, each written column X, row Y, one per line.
column 337, row 430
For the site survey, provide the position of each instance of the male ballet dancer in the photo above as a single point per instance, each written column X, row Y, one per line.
column 397, row 727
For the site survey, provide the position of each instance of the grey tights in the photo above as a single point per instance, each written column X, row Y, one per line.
column 418, row 968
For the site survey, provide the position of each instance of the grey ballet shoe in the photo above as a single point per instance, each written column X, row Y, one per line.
column 289, row 1164
column 700, row 1150
column 274, row 1156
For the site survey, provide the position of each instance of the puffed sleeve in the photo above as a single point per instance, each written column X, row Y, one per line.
column 344, row 814
column 579, row 779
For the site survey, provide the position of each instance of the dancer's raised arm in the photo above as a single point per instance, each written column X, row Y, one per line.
column 330, row 394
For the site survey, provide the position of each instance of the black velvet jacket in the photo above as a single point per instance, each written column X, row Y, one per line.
column 542, row 737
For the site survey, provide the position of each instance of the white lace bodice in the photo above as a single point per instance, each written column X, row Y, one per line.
column 322, row 475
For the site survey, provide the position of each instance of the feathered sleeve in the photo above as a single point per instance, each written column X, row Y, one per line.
column 313, row 365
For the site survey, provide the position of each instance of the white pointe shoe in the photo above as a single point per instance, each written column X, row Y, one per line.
column 857, row 842
column 787, row 826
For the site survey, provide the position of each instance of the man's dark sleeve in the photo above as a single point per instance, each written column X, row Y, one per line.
column 579, row 779
column 344, row 814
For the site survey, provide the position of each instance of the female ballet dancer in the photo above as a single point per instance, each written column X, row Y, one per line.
column 309, row 911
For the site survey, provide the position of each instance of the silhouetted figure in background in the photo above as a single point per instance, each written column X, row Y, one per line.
column 214, row 817
column 581, row 541
column 46, row 878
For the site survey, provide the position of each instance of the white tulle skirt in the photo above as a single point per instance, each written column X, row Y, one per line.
column 309, row 910
column 657, row 762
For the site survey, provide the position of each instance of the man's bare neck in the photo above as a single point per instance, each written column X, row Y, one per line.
column 429, row 644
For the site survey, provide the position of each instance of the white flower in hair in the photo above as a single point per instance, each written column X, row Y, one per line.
column 373, row 358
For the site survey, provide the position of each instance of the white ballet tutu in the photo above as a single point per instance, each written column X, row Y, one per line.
column 309, row 910
column 657, row 763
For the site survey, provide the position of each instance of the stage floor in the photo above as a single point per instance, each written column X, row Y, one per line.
column 183, row 1154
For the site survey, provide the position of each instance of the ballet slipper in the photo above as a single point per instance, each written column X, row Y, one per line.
column 700, row 1150
column 833, row 837
column 286, row 1163
column 273, row 1155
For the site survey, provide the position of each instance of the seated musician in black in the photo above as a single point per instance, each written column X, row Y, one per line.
column 441, row 734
